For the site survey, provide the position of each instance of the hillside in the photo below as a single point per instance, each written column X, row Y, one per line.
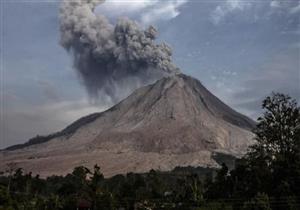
column 173, row 122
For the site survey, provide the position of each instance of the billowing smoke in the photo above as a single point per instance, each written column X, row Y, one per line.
column 110, row 57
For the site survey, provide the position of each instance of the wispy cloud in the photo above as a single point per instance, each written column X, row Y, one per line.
column 227, row 8
column 290, row 7
column 165, row 10
column 266, row 8
column 275, row 4
column 296, row 9
column 146, row 11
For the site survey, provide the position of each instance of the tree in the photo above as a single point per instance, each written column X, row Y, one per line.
column 259, row 202
column 278, row 143
column 278, row 130
column 272, row 166
column 96, row 193
column 220, row 188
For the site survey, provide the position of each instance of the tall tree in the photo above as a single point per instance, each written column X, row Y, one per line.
column 278, row 130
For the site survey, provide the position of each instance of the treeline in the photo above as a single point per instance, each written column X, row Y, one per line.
column 267, row 177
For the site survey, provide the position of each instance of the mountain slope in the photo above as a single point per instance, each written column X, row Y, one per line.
column 174, row 122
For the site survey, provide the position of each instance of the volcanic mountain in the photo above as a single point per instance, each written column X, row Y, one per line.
column 173, row 122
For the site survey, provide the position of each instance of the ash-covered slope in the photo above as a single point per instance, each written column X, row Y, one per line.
column 174, row 122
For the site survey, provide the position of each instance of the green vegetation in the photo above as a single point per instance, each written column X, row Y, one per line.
column 267, row 177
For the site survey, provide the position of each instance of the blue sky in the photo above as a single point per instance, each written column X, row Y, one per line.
column 240, row 50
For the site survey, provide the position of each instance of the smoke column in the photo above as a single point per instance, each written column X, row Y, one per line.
column 110, row 57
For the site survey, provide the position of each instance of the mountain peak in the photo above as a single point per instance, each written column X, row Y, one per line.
column 187, row 91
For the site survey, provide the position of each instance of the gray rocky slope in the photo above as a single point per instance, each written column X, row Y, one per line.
column 173, row 122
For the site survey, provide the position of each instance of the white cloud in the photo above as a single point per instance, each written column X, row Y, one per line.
column 269, row 7
column 218, row 14
column 295, row 9
column 122, row 7
column 275, row 4
column 289, row 7
column 163, row 11
column 147, row 11
column 235, row 4
column 228, row 7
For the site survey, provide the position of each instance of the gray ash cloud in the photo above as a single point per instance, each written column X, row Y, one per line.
column 111, row 57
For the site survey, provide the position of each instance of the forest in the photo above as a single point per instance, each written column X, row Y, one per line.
column 266, row 177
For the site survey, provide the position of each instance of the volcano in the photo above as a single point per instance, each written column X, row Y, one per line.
column 174, row 122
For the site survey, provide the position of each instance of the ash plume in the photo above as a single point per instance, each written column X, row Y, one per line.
column 109, row 57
